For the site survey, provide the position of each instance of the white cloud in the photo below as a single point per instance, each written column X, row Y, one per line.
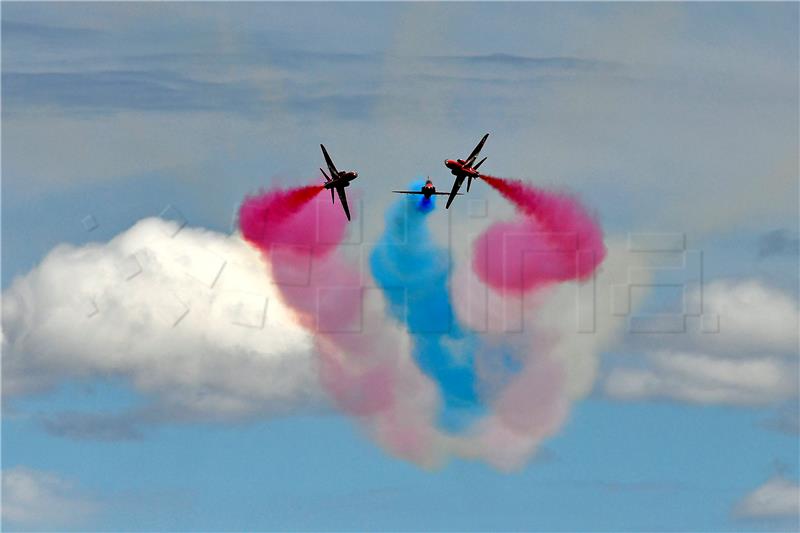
column 185, row 315
column 751, row 360
column 705, row 379
column 777, row 498
column 753, row 319
column 32, row 498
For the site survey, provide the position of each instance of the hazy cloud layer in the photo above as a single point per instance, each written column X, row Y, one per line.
column 781, row 242
column 657, row 133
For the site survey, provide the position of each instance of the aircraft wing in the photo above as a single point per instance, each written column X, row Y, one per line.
column 343, row 198
column 456, row 185
column 329, row 162
column 476, row 151
column 409, row 192
column 438, row 193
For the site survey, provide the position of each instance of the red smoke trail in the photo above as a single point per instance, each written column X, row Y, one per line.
column 266, row 219
column 297, row 236
column 557, row 240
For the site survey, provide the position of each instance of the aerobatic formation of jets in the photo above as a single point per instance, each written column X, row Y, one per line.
column 460, row 168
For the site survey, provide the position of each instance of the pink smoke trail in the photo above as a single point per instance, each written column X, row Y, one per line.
column 298, row 234
column 268, row 219
column 365, row 368
column 556, row 240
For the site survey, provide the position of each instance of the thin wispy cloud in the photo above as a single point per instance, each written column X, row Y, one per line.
column 777, row 498
column 97, row 426
column 128, row 90
column 748, row 357
column 778, row 242
column 19, row 33
column 35, row 499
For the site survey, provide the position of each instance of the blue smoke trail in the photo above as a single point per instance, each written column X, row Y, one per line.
column 413, row 272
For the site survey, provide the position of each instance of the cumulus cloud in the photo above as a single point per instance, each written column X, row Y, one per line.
column 751, row 359
column 753, row 319
column 741, row 318
column 777, row 498
column 701, row 378
column 192, row 320
column 36, row 499
column 188, row 317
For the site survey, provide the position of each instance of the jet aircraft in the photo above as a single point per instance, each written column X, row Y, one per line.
column 426, row 190
column 338, row 180
column 462, row 168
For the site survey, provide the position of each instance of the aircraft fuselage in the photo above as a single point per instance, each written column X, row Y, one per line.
column 428, row 190
column 343, row 180
column 458, row 168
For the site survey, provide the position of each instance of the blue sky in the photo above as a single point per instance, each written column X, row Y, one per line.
column 666, row 118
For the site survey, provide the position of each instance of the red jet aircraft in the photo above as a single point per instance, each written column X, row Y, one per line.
column 427, row 190
column 339, row 180
column 462, row 168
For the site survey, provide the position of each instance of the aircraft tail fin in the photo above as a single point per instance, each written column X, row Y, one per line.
column 326, row 176
column 333, row 199
column 479, row 164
